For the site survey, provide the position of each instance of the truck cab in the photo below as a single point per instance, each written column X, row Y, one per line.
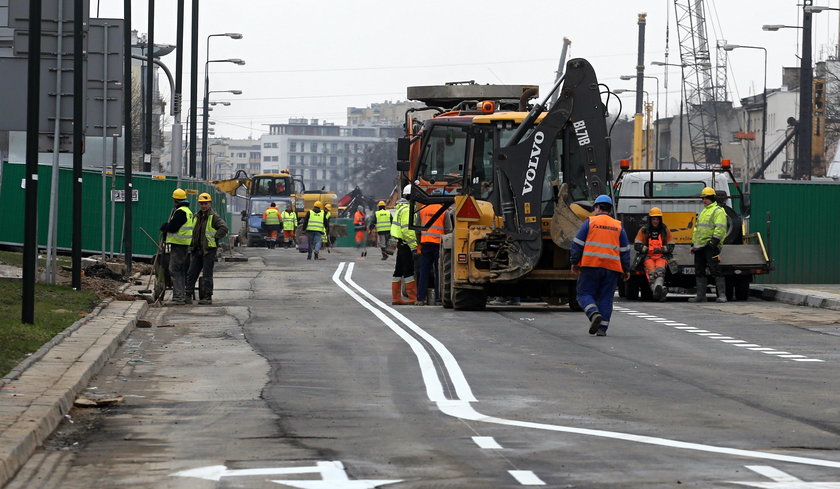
column 263, row 190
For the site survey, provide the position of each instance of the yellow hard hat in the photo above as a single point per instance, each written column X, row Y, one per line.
column 318, row 204
column 205, row 197
column 381, row 202
column 329, row 206
column 179, row 194
column 655, row 212
column 708, row 192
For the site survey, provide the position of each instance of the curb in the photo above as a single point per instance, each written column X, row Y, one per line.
column 38, row 412
column 796, row 297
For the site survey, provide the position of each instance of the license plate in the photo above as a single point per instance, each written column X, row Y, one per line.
column 687, row 270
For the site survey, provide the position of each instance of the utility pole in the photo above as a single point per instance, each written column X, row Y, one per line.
column 177, row 150
column 30, row 235
column 802, row 169
column 127, row 134
column 640, row 77
column 78, row 141
column 193, row 85
column 150, row 85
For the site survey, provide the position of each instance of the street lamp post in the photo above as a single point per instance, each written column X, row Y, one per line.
column 633, row 77
column 730, row 47
column 232, row 35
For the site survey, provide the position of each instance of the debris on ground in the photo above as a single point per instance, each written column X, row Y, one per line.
column 102, row 270
column 97, row 401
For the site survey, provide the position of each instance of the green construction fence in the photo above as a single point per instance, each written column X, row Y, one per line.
column 152, row 208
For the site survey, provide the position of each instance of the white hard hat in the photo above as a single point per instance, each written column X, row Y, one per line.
column 407, row 189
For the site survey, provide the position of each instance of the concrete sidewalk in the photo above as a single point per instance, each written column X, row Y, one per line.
column 824, row 296
column 41, row 390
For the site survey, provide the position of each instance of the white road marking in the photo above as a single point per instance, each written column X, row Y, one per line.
column 783, row 480
column 761, row 348
column 526, row 477
column 685, row 327
column 732, row 341
column 461, row 407
column 807, row 360
column 776, row 352
column 746, row 345
column 697, row 331
column 333, row 476
column 713, row 336
column 487, row 442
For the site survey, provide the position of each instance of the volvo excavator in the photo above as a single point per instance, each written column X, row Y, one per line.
column 515, row 184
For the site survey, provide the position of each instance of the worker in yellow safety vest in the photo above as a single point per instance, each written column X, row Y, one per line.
column 290, row 222
column 314, row 223
column 271, row 223
column 383, row 228
column 406, row 244
column 706, row 245
column 209, row 229
column 179, row 233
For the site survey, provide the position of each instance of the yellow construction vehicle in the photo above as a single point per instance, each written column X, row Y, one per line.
column 515, row 184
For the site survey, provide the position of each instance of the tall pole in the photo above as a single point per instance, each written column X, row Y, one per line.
column 193, row 85
column 78, row 135
column 640, row 74
column 33, row 92
column 177, row 152
column 205, row 115
column 763, row 121
column 150, row 85
column 806, row 123
column 127, row 135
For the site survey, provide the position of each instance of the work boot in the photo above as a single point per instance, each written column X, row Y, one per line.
column 720, row 285
column 316, row 255
column 205, row 302
column 701, row 290
column 595, row 322
column 396, row 295
column 658, row 288
column 411, row 291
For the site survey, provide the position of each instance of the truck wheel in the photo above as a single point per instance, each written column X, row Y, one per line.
column 742, row 288
column 631, row 288
column 469, row 299
column 445, row 267
column 644, row 288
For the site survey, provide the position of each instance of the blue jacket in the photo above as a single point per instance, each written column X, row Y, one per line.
column 577, row 248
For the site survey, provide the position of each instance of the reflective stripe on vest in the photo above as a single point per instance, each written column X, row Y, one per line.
column 436, row 230
column 383, row 221
column 272, row 216
column 210, row 232
column 183, row 236
column 289, row 220
column 602, row 248
column 316, row 222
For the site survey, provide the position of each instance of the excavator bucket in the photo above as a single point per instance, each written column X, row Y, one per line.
column 566, row 220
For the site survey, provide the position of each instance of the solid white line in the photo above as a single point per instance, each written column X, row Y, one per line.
column 487, row 442
column 462, row 409
column 526, row 478
column 775, row 474
column 807, row 360
column 791, row 356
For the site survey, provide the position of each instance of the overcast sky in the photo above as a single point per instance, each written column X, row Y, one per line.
column 313, row 59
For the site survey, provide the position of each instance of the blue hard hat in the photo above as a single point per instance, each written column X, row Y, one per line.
column 604, row 199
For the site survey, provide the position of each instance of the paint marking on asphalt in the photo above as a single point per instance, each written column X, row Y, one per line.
column 697, row 331
column 776, row 352
column 461, row 407
column 747, row 345
column 487, row 442
column 685, row 327
column 807, row 360
column 526, row 478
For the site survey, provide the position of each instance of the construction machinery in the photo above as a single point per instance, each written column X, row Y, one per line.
column 515, row 184
column 677, row 194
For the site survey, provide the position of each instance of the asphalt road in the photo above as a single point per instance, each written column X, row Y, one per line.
column 302, row 375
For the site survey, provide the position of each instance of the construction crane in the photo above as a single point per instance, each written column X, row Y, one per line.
column 698, row 83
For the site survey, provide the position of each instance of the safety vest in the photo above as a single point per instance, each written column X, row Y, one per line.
column 395, row 223
column 406, row 234
column 289, row 221
column 602, row 248
column 272, row 216
column 710, row 223
column 359, row 221
column 383, row 221
column 654, row 243
column 210, row 232
column 436, row 230
column 316, row 222
column 183, row 236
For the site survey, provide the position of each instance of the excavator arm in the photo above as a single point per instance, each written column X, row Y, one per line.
column 231, row 185
column 578, row 118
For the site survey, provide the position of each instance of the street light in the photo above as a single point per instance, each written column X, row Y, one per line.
column 237, row 61
column 732, row 47
column 220, row 103
column 633, row 77
column 775, row 27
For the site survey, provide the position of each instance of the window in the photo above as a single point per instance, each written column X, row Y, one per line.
column 313, row 147
column 266, row 145
column 443, row 155
column 266, row 158
column 292, row 147
column 673, row 189
column 482, row 173
column 275, row 158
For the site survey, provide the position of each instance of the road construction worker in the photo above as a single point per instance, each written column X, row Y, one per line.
column 429, row 252
column 383, row 228
column 209, row 229
column 290, row 222
column 314, row 223
column 326, row 242
column 654, row 244
column 271, row 223
column 600, row 254
column 406, row 244
column 360, row 226
column 706, row 243
column 179, row 232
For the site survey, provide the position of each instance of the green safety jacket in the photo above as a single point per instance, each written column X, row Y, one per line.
column 210, row 233
column 316, row 222
column 383, row 221
column 399, row 228
column 185, row 233
column 289, row 221
column 710, row 223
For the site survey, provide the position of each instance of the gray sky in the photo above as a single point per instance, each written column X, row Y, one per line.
column 315, row 58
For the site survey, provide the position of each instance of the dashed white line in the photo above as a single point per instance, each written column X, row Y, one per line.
column 526, row 477
column 746, row 345
column 486, row 442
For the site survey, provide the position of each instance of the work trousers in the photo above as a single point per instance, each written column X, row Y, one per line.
column 404, row 265
column 202, row 263
column 178, row 270
column 315, row 238
column 429, row 253
column 383, row 237
column 595, row 291
column 704, row 257
column 655, row 267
